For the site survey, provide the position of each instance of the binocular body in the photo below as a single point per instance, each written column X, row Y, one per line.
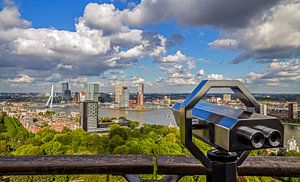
column 225, row 128
column 231, row 129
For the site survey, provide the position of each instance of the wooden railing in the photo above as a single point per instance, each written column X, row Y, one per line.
column 130, row 165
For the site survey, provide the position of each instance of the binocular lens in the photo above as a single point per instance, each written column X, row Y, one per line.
column 258, row 140
column 275, row 138
column 252, row 136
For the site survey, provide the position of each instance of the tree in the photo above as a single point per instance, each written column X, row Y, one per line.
column 117, row 130
column 121, row 150
column 53, row 148
column 115, row 142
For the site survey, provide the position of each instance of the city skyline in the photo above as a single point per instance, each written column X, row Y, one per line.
column 169, row 45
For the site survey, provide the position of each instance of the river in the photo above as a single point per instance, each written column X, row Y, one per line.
column 165, row 117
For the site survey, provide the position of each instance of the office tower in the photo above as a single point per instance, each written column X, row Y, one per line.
column 92, row 91
column 64, row 87
column 76, row 97
column 121, row 96
column 118, row 92
column 89, row 115
column 66, row 93
column 293, row 110
column 140, row 96
column 124, row 99
column 264, row 109
column 227, row 97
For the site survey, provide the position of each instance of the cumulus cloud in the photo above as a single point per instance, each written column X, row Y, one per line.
column 21, row 78
column 64, row 66
column 201, row 73
column 215, row 77
column 10, row 18
column 214, row 13
column 224, row 44
column 259, row 30
column 277, row 73
column 274, row 35
column 179, row 69
column 177, row 57
column 95, row 46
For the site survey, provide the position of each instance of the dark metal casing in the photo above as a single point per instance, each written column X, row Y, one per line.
column 223, row 127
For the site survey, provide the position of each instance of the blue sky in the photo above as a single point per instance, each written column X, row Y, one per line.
column 168, row 45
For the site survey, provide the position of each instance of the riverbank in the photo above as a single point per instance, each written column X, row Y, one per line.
column 133, row 110
column 288, row 120
column 291, row 124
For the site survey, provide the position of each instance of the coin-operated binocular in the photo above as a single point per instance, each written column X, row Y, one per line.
column 233, row 132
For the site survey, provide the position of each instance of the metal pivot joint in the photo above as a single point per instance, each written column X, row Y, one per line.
column 224, row 166
column 235, row 132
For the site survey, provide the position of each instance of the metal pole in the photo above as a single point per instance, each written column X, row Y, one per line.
column 224, row 168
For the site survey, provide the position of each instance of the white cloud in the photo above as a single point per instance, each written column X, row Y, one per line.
column 177, row 57
column 10, row 17
column 104, row 17
column 201, row 73
column 22, row 78
column 96, row 46
column 215, row 77
column 274, row 35
column 200, row 12
column 64, row 66
column 224, row 44
column 277, row 73
column 133, row 52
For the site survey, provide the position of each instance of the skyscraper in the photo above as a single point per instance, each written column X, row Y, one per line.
column 93, row 91
column 118, row 92
column 64, row 87
column 121, row 96
column 89, row 115
column 140, row 96
column 76, row 98
column 293, row 110
column 264, row 109
column 124, row 99
column 65, row 92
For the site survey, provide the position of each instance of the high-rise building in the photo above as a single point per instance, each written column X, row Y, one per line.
column 227, row 97
column 76, row 98
column 66, row 93
column 93, row 91
column 140, row 96
column 118, row 92
column 64, row 87
column 89, row 115
column 124, row 99
column 293, row 110
column 264, row 109
column 121, row 96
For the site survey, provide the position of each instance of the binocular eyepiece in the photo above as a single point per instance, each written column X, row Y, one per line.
column 273, row 136
column 258, row 135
